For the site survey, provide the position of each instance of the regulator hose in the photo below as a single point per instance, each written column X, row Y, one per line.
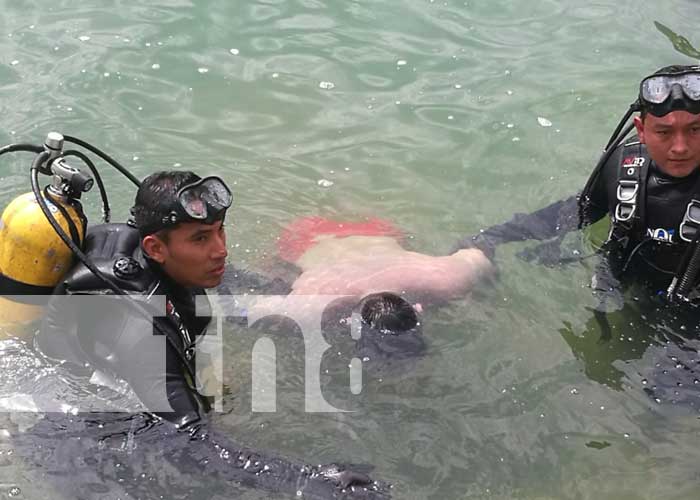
column 29, row 148
column 106, row 211
column 34, row 176
column 682, row 285
column 104, row 156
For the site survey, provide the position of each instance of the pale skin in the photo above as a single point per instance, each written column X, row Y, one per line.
column 194, row 254
column 359, row 265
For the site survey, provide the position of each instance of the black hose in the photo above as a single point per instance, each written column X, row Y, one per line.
column 633, row 107
column 692, row 268
column 34, row 177
column 615, row 139
column 607, row 153
column 29, row 148
column 104, row 156
column 98, row 179
column 74, row 233
column 691, row 273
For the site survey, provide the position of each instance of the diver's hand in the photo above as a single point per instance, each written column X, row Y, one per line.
column 352, row 482
column 343, row 476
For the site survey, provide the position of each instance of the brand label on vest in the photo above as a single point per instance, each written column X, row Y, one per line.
column 633, row 161
column 661, row 234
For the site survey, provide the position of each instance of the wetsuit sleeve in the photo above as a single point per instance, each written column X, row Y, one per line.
column 163, row 387
column 123, row 341
column 548, row 222
column 58, row 336
column 552, row 221
column 214, row 453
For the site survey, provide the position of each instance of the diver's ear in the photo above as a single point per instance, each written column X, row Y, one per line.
column 155, row 248
column 639, row 125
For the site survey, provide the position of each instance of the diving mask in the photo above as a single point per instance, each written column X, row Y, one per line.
column 200, row 201
column 662, row 93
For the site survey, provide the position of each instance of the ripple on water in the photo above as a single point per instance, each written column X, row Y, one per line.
column 261, row 120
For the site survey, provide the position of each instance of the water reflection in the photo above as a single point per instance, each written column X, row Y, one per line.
column 652, row 347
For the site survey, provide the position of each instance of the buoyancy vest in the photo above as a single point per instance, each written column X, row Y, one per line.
column 104, row 334
column 650, row 212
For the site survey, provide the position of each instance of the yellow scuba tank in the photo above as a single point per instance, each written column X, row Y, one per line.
column 33, row 258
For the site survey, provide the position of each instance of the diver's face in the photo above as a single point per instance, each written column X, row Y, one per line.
column 673, row 141
column 193, row 254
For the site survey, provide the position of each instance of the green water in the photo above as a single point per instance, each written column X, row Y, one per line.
column 431, row 122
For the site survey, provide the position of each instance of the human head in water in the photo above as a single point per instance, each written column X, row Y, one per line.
column 391, row 331
column 387, row 312
column 180, row 218
column 669, row 123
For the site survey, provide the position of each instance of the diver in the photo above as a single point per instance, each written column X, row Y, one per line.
column 649, row 186
column 173, row 247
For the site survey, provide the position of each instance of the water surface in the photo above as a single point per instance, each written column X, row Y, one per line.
column 424, row 113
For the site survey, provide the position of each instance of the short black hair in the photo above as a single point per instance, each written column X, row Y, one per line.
column 156, row 198
column 389, row 312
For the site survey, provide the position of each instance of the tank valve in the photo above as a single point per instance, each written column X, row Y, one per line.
column 69, row 181
column 54, row 146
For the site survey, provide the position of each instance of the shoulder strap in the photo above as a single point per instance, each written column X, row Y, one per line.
column 629, row 214
column 110, row 247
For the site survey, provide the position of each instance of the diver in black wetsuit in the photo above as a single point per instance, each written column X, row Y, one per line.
column 649, row 185
column 174, row 249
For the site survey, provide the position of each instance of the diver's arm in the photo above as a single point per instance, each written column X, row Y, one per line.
column 163, row 388
column 214, row 453
column 545, row 223
column 549, row 222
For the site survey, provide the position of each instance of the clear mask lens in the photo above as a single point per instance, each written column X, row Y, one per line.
column 656, row 89
column 691, row 85
column 207, row 195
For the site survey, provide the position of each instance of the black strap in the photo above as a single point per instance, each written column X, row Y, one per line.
column 74, row 234
column 630, row 210
column 23, row 292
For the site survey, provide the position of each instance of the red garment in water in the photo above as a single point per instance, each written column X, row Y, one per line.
column 301, row 234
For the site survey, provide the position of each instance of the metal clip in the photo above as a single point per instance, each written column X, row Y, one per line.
column 691, row 221
column 627, row 190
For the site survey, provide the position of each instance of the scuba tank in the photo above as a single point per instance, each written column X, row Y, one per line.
column 40, row 231
column 32, row 261
column 32, row 256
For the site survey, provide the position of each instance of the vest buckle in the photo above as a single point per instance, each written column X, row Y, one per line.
column 626, row 200
column 691, row 221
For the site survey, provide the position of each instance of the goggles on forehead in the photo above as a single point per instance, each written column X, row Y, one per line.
column 203, row 201
column 665, row 92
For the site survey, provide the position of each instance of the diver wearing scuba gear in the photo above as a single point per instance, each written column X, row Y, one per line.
column 150, row 260
column 175, row 261
column 645, row 185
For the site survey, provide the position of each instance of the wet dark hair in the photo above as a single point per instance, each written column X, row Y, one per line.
column 668, row 70
column 156, row 198
column 387, row 311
